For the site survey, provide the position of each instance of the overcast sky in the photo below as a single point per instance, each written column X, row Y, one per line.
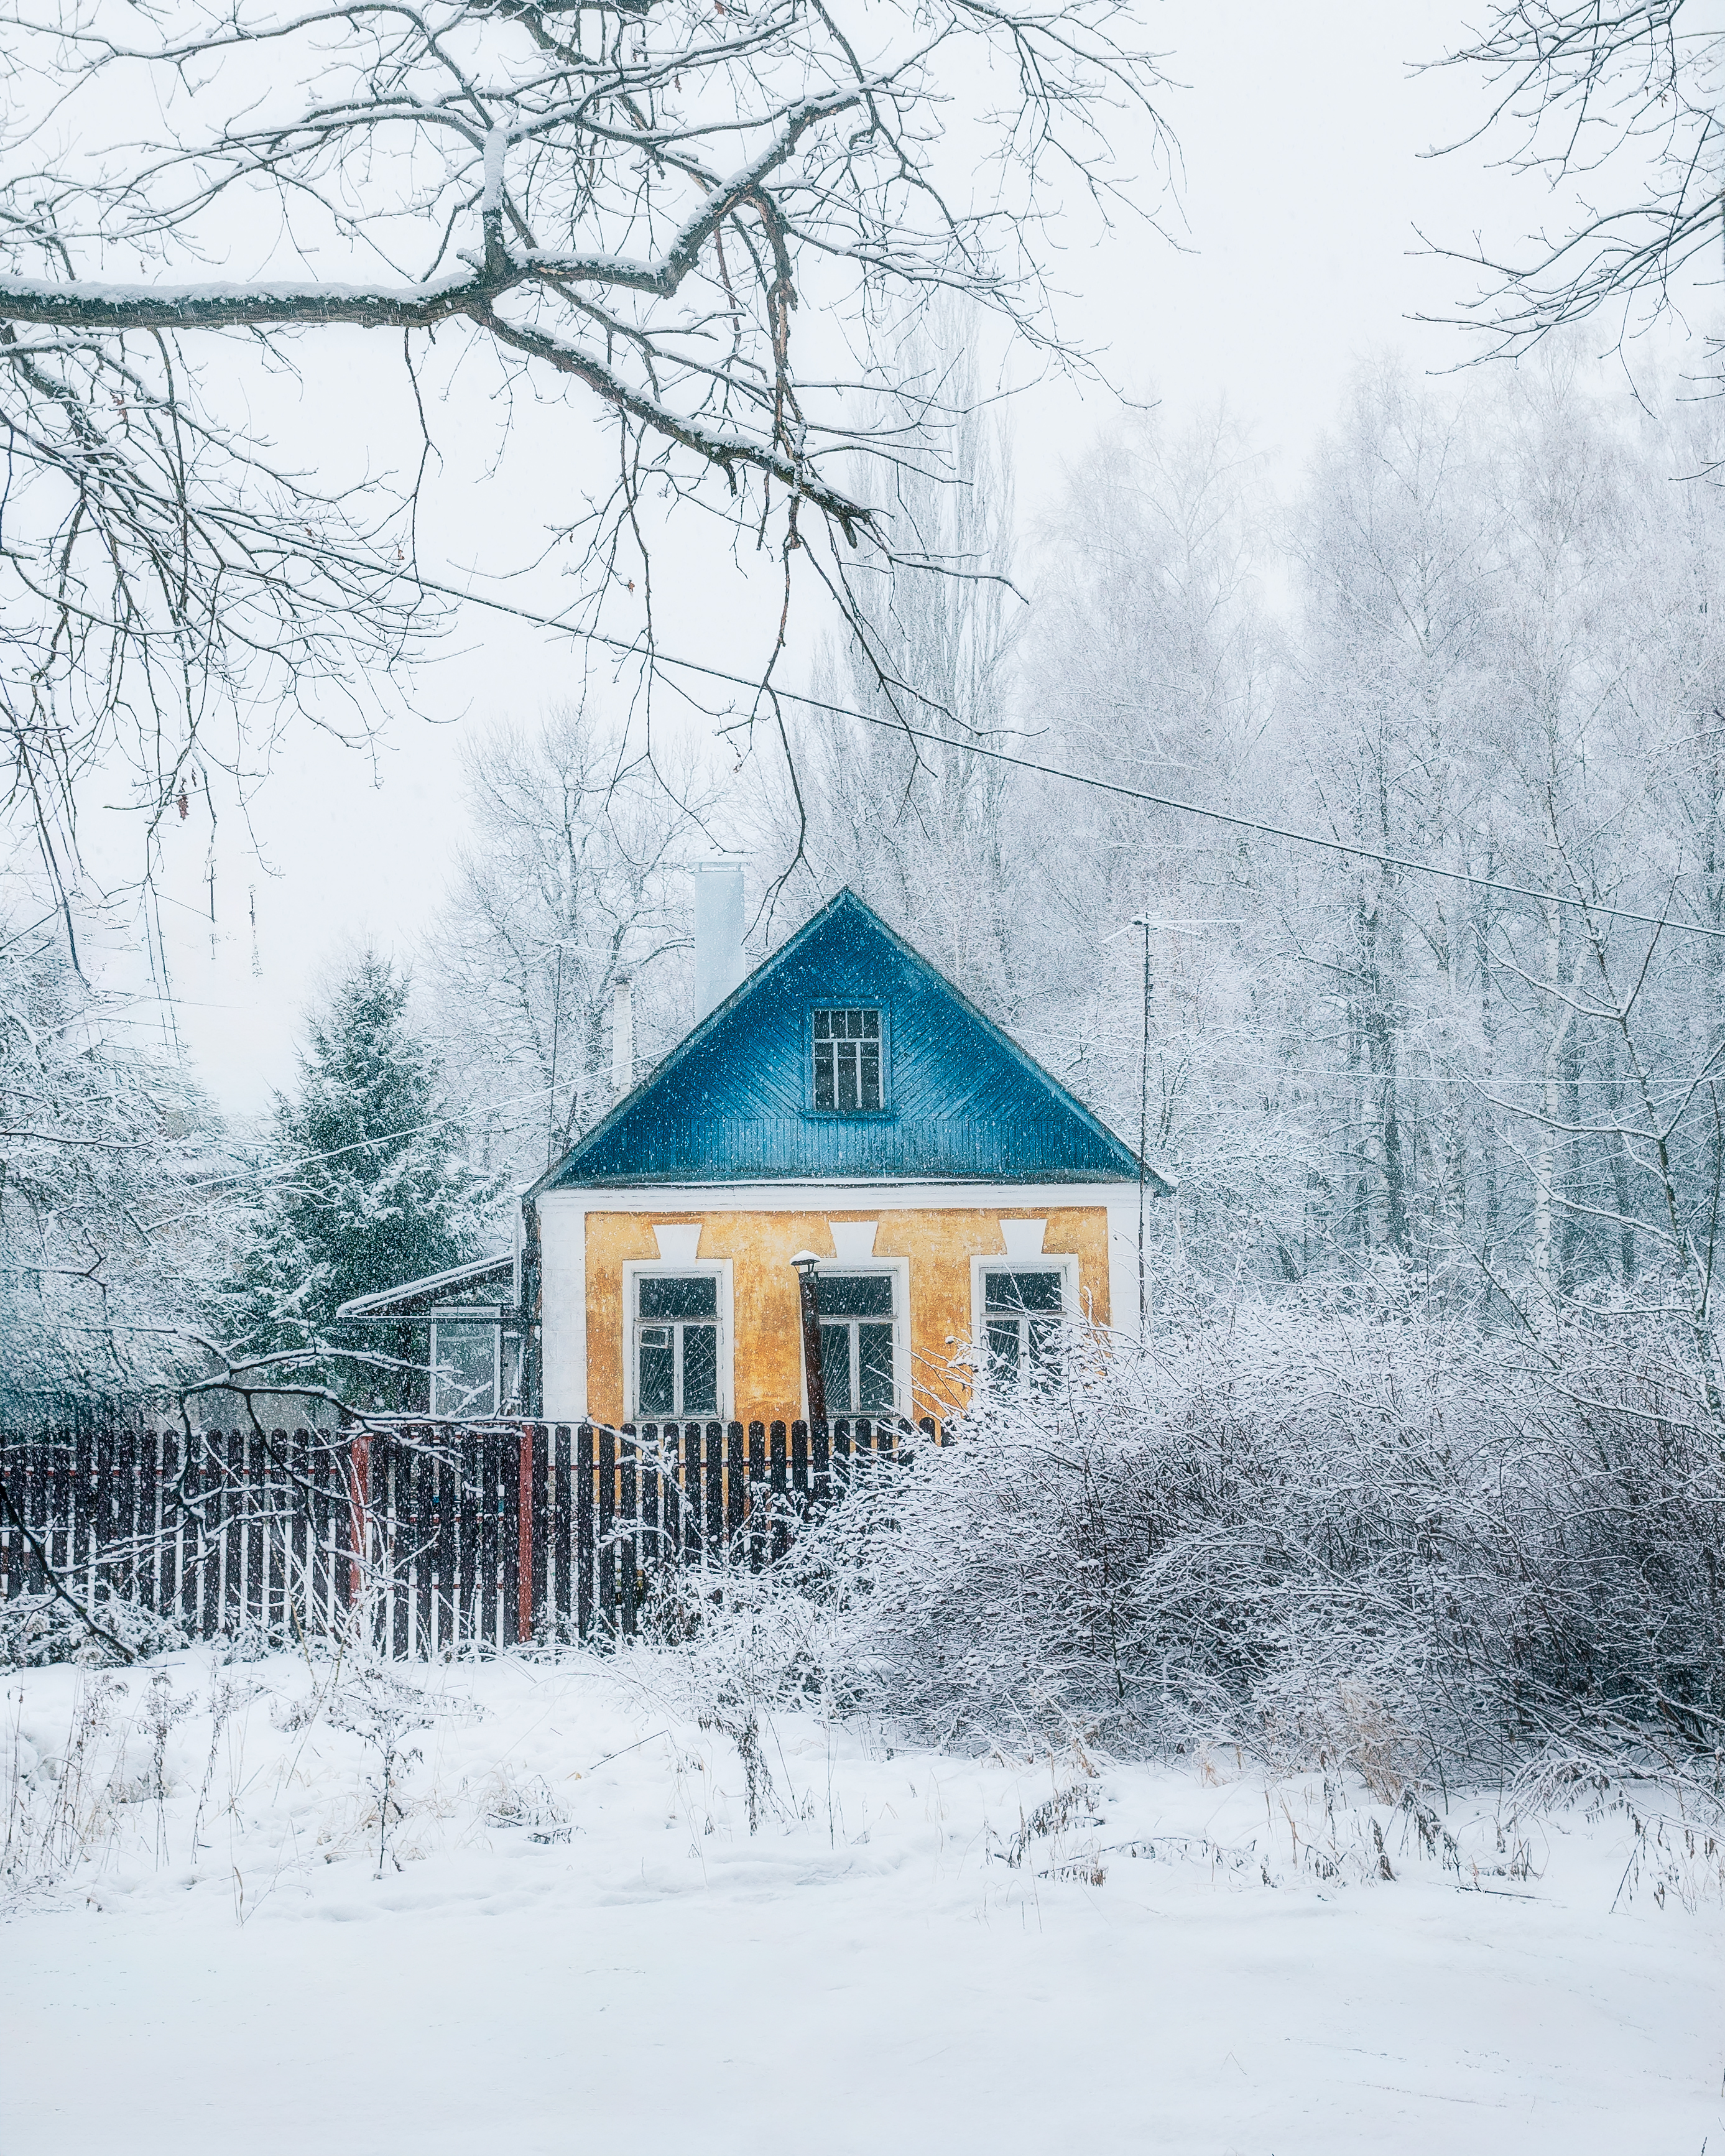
column 1304, row 134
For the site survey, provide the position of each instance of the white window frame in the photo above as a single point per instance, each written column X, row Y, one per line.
column 637, row 1269
column 1050, row 1261
column 898, row 1270
column 470, row 1325
column 884, row 1105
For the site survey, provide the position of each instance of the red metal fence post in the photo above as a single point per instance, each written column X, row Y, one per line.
column 359, row 1491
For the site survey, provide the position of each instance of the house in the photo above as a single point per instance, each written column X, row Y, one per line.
column 845, row 1104
column 843, row 1150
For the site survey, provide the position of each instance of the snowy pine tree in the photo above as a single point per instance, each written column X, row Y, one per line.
column 370, row 1184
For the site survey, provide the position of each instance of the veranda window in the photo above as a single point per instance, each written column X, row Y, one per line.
column 464, row 1371
column 856, row 1342
column 676, row 1344
column 847, row 1061
column 1024, row 1311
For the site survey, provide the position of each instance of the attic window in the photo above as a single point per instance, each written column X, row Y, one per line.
column 847, row 1062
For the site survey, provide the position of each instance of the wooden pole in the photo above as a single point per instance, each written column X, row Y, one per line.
column 809, row 1300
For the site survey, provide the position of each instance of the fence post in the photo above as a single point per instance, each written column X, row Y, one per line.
column 525, row 1540
column 359, row 1491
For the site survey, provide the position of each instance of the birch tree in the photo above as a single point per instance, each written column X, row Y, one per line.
column 572, row 885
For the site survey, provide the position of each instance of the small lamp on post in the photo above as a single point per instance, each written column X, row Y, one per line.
column 808, row 1298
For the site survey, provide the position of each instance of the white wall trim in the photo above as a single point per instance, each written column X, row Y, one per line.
column 1123, row 1263
column 562, row 1315
column 853, row 1239
column 659, row 1200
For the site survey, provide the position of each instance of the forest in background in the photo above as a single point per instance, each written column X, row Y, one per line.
column 1482, row 637
column 1416, row 1469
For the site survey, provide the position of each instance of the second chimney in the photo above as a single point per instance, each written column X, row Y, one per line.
column 718, row 933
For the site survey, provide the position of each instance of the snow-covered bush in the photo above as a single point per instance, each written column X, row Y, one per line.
column 36, row 1630
column 1382, row 1539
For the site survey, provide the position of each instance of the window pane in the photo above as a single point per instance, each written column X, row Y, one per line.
column 848, row 1074
column 1003, row 1350
column 701, row 1370
column 875, row 1368
column 465, row 1381
column 696, row 1296
column 836, row 1367
column 655, row 1393
column 855, row 1295
column 1040, row 1291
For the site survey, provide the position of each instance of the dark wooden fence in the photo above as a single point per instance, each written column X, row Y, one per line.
column 434, row 1539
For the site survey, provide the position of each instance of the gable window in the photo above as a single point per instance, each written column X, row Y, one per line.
column 676, row 1344
column 1024, row 1312
column 857, row 1320
column 847, row 1062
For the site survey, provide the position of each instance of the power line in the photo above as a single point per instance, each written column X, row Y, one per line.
column 363, row 1145
column 1342, row 846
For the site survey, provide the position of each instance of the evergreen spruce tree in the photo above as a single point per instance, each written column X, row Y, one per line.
column 372, row 1185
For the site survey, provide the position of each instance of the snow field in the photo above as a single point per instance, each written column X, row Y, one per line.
column 576, row 1941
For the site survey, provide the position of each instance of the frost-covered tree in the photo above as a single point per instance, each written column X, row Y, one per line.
column 691, row 222
column 935, row 837
column 572, row 884
column 113, row 1240
column 370, row 1183
column 1152, row 659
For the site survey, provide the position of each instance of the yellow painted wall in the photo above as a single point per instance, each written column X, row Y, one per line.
column 939, row 1245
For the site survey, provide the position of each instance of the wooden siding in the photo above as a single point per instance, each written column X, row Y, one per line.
column 937, row 1243
column 734, row 1103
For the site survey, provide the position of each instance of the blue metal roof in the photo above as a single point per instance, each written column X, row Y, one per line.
column 734, row 1101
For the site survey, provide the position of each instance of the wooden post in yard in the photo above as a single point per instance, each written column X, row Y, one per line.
column 814, row 1378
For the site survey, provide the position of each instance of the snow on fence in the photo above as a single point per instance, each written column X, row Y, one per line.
column 437, row 1538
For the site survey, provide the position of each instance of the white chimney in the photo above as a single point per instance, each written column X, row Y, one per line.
column 622, row 1037
column 718, row 933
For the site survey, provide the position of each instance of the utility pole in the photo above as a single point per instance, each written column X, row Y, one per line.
column 1142, row 921
column 551, row 1110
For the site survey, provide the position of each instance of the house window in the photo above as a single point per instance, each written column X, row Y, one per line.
column 1022, row 1312
column 847, row 1062
column 857, row 1342
column 676, row 1344
column 463, row 1369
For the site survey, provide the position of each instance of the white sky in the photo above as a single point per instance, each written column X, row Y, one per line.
column 1301, row 130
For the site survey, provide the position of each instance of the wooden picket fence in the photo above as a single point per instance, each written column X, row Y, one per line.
column 434, row 1539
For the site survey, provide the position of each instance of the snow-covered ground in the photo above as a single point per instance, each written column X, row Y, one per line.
column 577, row 1943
